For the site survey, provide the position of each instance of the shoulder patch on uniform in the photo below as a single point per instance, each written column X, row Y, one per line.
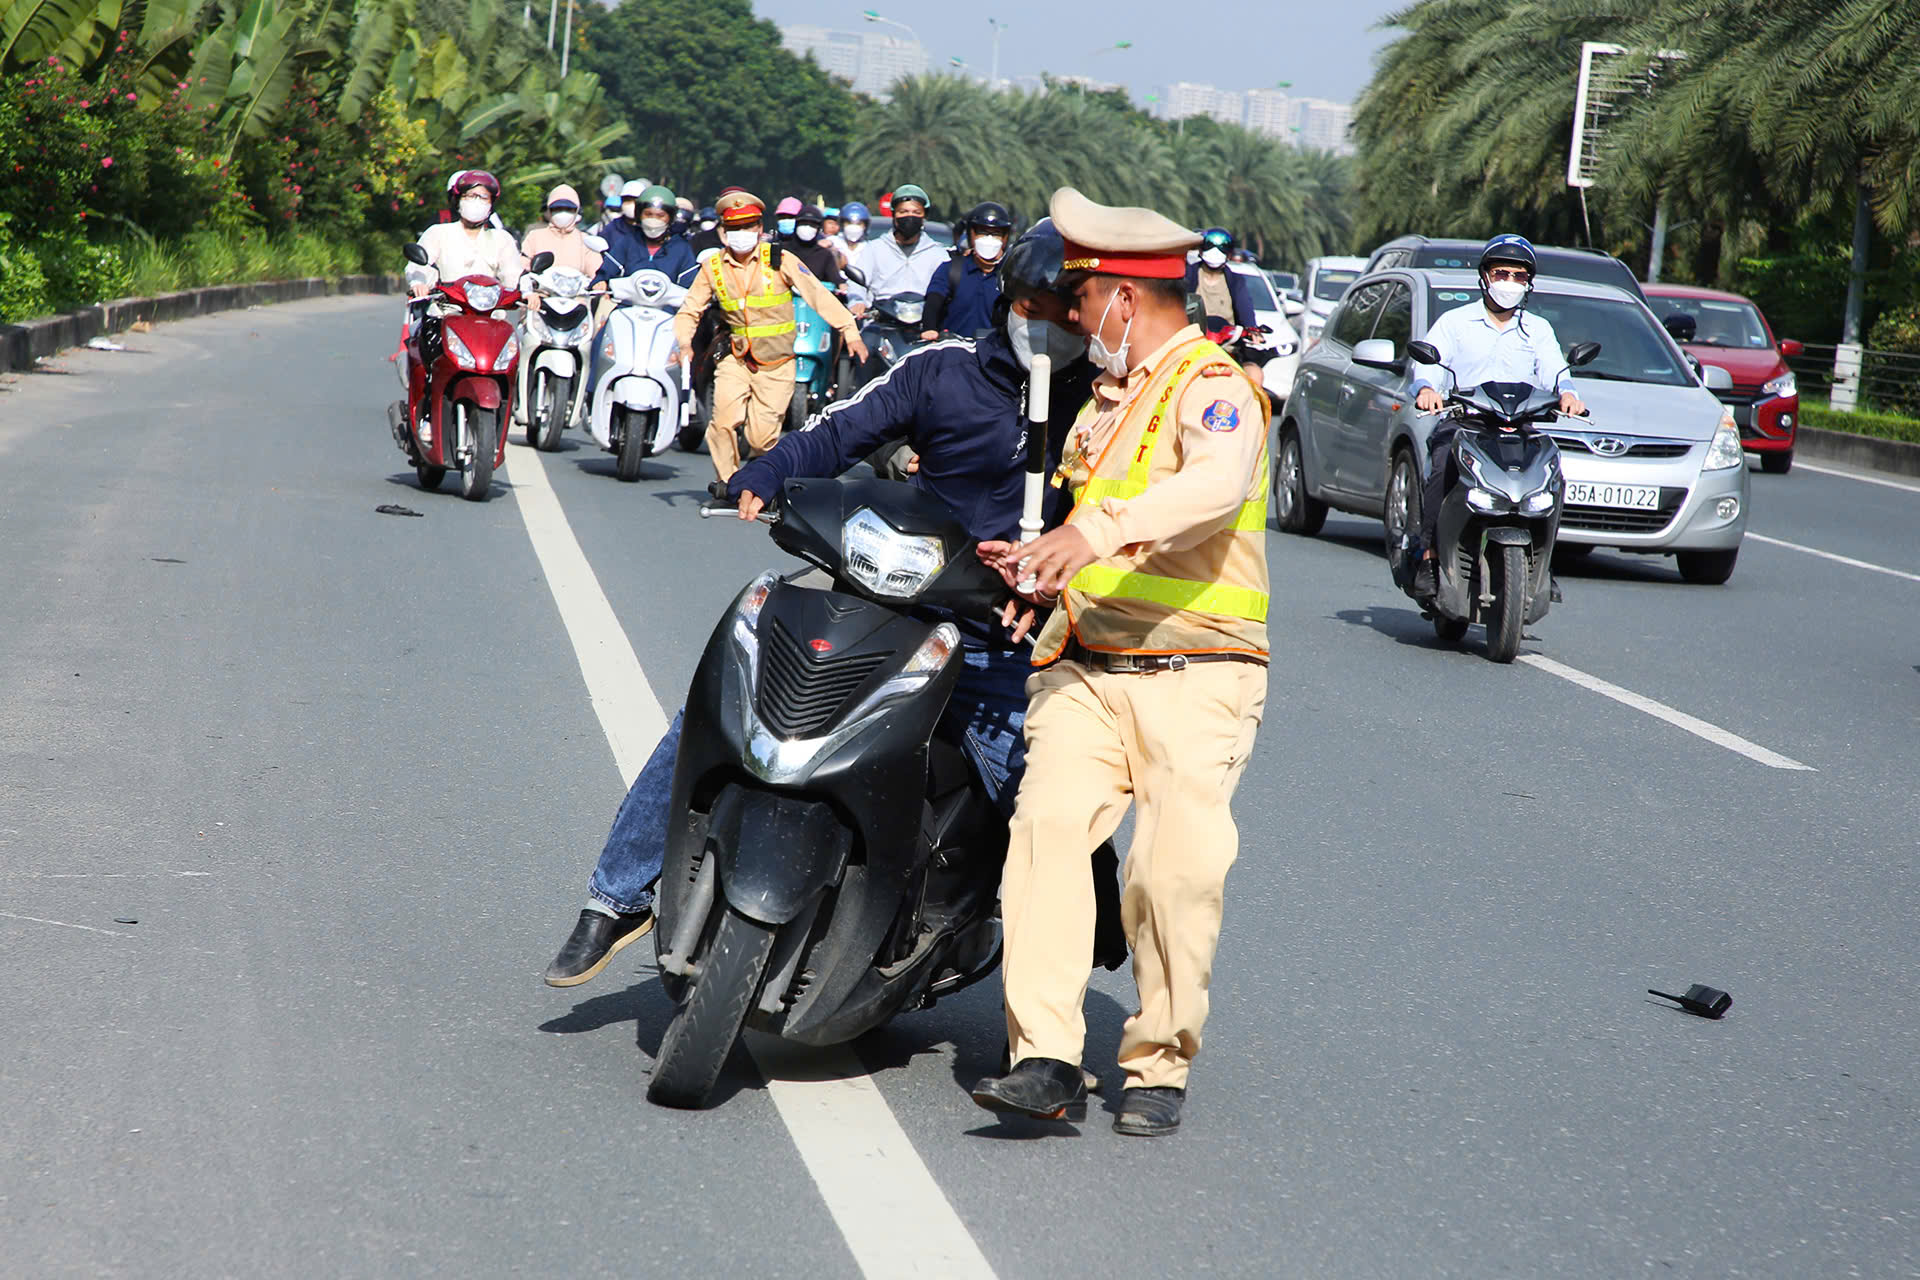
column 1218, row 369
column 1221, row 415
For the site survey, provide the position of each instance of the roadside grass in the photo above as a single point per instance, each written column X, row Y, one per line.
column 243, row 257
column 1887, row 426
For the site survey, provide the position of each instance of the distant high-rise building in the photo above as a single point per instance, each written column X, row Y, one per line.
column 1326, row 126
column 1184, row 100
column 1272, row 113
column 868, row 61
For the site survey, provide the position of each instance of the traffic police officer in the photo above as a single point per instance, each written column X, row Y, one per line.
column 754, row 284
column 1155, row 673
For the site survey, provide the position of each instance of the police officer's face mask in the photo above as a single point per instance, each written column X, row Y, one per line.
column 1030, row 337
column 1112, row 359
column 743, row 240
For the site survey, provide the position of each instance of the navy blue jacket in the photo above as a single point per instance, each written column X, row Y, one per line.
column 1236, row 289
column 627, row 252
column 958, row 403
column 968, row 309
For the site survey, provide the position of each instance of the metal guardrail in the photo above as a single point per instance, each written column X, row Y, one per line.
column 1855, row 378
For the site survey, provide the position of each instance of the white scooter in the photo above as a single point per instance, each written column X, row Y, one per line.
column 555, row 344
column 638, row 397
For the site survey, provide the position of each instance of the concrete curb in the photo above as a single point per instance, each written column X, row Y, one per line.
column 1870, row 453
column 22, row 344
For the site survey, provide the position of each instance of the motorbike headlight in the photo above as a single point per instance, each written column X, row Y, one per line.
column 746, row 618
column 483, row 297
column 508, row 354
column 458, row 350
column 926, row 662
column 1484, row 501
column 910, row 312
column 1783, row 386
column 887, row 562
column 1538, row 503
column 1725, row 451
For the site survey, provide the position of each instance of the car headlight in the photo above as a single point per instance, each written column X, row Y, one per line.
column 1484, row 500
column 458, row 350
column 1285, row 349
column 1538, row 503
column 886, row 561
column 1725, row 451
column 1783, row 386
column 508, row 354
column 483, row 297
column 1313, row 329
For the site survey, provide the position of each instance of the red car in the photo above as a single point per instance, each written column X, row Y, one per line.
column 1727, row 330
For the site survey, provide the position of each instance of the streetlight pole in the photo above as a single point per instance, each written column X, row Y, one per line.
column 553, row 16
column 566, row 41
column 993, row 79
column 873, row 15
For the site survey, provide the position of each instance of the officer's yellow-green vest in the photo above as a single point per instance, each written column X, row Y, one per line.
column 762, row 323
column 1208, row 598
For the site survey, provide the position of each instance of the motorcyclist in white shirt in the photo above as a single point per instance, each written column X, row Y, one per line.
column 903, row 261
column 469, row 246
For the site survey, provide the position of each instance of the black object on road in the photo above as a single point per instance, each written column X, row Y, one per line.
column 394, row 509
column 1708, row 1002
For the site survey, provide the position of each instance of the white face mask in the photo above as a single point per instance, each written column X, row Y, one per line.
column 706, row 224
column 855, row 232
column 563, row 219
column 1112, row 359
column 742, row 241
column 806, row 233
column 989, row 247
column 1507, row 294
column 1030, row 338
column 653, row 228
column 475, row 210
column 1214, row 258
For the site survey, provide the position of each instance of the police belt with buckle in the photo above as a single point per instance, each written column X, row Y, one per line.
column 1147, row 663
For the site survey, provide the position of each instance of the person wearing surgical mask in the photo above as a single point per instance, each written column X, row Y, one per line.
column 472, row 245
column 643, row 239
column 805, row 243
column 1496, row 341
column 561, row 235
column 961, row 294
column 904, row 261
column 1221, row 292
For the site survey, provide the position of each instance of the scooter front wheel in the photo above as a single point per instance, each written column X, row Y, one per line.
column 550, row 410
column 478, row 434
column 1509, row 616
column 707, row 1022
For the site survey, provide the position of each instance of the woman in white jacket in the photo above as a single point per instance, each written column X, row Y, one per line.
column 469, row 246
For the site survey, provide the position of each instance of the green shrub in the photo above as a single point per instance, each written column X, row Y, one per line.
column 23, row 286
column 80, row 273
column 210, row 258
column 1887, row 426
column 1894, row 384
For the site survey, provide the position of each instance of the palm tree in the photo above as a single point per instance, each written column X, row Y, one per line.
column 943, row 133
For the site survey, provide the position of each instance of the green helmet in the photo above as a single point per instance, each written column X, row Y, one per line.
column 657, row 197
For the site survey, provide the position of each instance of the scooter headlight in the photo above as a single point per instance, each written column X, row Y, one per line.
column 909, row 312
column 926, row 662
column 1485, row 501
column 508, row 354
column 483, row 297
column 746, row 619
column 1538, row 504
column 458, row 350
column 887, row 562
column 1725, row 451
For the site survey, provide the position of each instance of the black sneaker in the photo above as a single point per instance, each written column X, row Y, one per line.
column 595, row 939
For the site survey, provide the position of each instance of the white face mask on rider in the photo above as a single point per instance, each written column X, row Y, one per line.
column 475, row 210
column 653, row 228
column 1111, row 359
column 1214, row 258
column 1030, row 338
column 563, row 219
column 743, row 240
column 988, row 247
column 804, row 233
column 855, row 232
column 1507, row 294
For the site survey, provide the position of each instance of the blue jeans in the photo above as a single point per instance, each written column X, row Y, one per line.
column 983, row 719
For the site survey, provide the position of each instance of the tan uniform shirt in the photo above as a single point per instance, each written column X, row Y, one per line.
column 1221, row 430
column 743, row 278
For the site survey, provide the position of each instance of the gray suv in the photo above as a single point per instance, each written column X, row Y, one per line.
column 1658, row 467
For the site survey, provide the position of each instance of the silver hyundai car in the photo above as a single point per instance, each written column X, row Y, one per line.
column 1657, row 468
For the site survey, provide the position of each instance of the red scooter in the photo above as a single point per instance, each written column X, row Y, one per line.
column 460, row 378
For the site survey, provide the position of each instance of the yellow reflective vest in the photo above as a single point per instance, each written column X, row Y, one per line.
column 762, row 324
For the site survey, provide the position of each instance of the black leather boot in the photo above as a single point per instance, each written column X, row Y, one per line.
column 1045, row 1088
column 1149, row 1113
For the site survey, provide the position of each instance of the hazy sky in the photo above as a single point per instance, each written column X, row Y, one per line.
column 1325, row 48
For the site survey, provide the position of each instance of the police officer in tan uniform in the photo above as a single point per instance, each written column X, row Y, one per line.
column 754, row 284
column 1153, row 679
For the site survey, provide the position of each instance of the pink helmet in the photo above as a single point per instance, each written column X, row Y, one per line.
column 787, row 208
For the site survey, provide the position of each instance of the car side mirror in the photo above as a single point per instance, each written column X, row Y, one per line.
column 1791, row 347
column 1378, row 353
column 541, row 261
column 1292, row 306
column 415, row 254
column 1681, row 326
column 1424, row 352
column 1715, row 378
column 596, row 243
column 1582, row 353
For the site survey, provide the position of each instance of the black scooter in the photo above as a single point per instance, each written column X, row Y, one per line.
column 1500, row 517
column 830, row 862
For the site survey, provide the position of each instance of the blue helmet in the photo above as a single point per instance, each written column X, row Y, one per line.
column 854, row 211
column 1509, row 248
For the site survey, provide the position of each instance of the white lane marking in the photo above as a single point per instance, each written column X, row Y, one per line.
column 111, row 933
column 1828, row 555
column 1661, row 711
column 882, row 1196
column 629, row 714
column 1855, row 475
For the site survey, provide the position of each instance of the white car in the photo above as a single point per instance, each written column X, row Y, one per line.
column 1269, row 311
column 1327, row 281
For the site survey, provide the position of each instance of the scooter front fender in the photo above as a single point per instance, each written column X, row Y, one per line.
column 1507, row 535
column 561, row 362
column 482, row 393
column 812, row 841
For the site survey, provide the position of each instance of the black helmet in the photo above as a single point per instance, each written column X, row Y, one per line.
column 1217, row 238
column 989, row 215
column 810, row 215
column 1031, row 267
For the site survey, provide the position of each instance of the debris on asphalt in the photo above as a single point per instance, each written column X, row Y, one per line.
column 165, row 560
column 141, row 326
column 104, row 344
column 1706, row 1002
column 395, row 509
column 125, row 920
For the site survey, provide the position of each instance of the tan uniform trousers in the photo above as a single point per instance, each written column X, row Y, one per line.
column 757, row 397
column 1174, row 744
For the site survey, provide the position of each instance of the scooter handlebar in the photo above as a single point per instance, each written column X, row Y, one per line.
column 712, row 510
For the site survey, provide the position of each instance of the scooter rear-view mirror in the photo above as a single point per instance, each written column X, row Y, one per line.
column 414, row 254
column 1424, row 352
column 541, row 261
column 1582, row 353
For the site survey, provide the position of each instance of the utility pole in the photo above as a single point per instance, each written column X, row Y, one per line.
column 993, row 78
column 553, row 14
column 566, row 41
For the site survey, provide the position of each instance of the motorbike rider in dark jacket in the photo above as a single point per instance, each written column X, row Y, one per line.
column 643, row 238
column 960, row 404
column 805, row 244
column 961, row 294
column 1209, row 279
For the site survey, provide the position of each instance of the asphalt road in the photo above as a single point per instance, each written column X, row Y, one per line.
column 345, row 773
